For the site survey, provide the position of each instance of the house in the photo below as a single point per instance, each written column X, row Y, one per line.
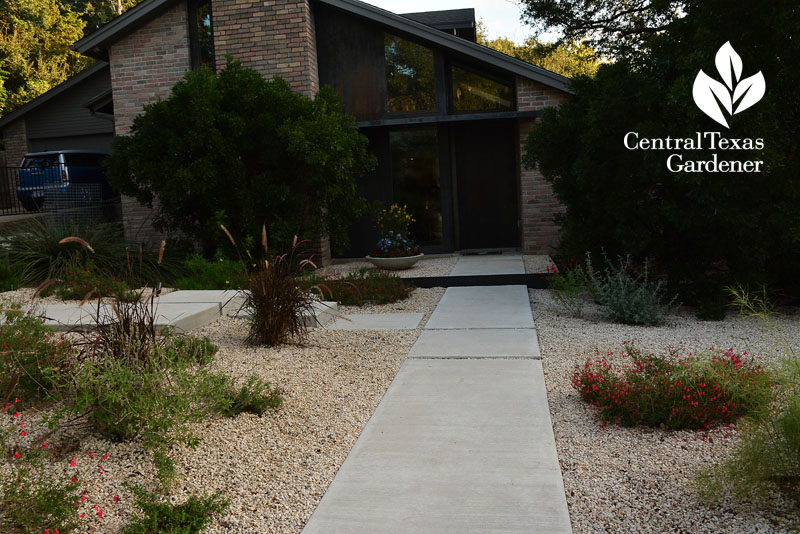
column 445, row 117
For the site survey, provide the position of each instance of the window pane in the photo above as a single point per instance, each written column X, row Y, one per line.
column 409, row 75
column 205, row 34
column 415, row 181
column 83, row 160
column 473, row 92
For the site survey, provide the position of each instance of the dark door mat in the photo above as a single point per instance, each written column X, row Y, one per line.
column 533, row 281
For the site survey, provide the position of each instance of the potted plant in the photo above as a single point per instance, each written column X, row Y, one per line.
column 395, row 249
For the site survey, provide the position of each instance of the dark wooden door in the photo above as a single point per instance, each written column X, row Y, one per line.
column 486, row 182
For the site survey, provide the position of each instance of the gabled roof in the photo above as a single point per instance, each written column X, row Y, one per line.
column 445, row 19
column 451, row 42
column 55, row 91
column 96, row 44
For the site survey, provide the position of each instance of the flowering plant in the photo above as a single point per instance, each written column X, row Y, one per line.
column 395, row 246
column 396, row 242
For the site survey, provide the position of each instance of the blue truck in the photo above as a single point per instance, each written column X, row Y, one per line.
column 62, row 171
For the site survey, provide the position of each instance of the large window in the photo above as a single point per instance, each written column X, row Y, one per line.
column 201, row 34
column 415, row 181
column 476, row 92
column 409, row 75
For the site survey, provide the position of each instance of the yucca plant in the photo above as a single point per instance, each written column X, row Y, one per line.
column 275, row 297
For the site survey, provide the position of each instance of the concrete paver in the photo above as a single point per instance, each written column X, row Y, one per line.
column 182, row 317
column 476, row 343
column 489, row 264
column 378, row 321
column 483, row 307
column 181, row 312
column 230, row 300
column 455, row 446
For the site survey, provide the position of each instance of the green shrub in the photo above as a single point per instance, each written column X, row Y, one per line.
column 365, row 286
column 191, row 349
column 9, row 277
column 691, row 225
column 134, row 383
column 259, row 153
column 255, row 397
column 568, row 284
column 79, row 281
column 679, row 393
column 33, row 499
column 767, row 457
column 630, row 298
column 159, row 516
column 33, row 357
column 200, row 273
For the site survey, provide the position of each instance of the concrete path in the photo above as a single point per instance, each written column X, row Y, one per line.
column 462, row 441
column 488, row 264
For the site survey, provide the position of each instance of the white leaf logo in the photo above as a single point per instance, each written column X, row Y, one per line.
column 712, row 96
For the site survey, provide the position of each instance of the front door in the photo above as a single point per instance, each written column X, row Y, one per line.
column 486, row 184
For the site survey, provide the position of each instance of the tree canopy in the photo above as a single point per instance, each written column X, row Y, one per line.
column 35, row 36
column 610, row 26
column 236, row 149
column 569, row 59
column 702, row 228
column 34, row 49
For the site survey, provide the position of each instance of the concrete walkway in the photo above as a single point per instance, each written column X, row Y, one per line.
column 462, row 441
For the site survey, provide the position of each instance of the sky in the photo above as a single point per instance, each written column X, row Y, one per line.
column 501, row 17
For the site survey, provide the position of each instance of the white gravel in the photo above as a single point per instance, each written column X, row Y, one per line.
column 428, row 266
column 637, row 479
column 536, row 263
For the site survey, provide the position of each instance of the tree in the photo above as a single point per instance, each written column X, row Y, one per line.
column 236, row 149
column 611, row 27
column 704, row 229
column 95, row 14
column 568, row 58
column 34, row 49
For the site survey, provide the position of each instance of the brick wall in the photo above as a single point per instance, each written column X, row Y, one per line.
column 15, row 139
column 273, row 37
column 540, row 233
column 145, row 65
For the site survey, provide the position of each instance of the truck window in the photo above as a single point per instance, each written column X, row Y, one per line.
column 40, row 162
column 84, row 160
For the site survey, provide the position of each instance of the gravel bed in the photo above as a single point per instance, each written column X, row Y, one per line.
column 274, row 468
column 422, row 300
column 536, row 263
column 439, row 265
column 637, row 479
column 24, row 296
